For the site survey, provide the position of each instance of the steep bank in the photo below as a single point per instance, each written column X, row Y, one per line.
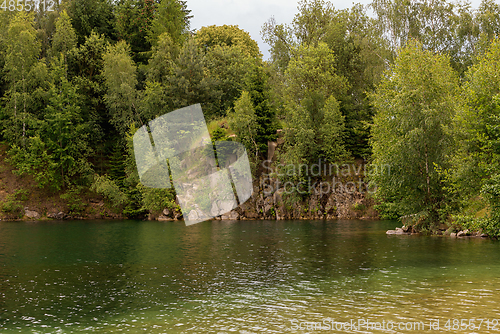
column 340, row 196
column 22, row 199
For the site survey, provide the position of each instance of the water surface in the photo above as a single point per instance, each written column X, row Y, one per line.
column 242, row 276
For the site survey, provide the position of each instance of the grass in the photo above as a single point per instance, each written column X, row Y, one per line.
column 220, row 123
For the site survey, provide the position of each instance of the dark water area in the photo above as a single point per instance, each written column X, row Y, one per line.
column 241, row 276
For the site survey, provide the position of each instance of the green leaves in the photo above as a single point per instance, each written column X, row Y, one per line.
column 227, row 36
column 65, row 37
column 316, row 125
column 414, row 104
column 243, row 122
column 120, row 75
column 171, row 17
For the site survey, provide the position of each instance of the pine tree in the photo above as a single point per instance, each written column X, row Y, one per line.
column 264, row 112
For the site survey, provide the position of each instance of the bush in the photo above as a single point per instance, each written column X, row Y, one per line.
column 106, row 187
column 12, row 203
column 155, row 200
column 358, row 207
column 74, row 201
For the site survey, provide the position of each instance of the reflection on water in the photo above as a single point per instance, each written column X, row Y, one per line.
column 245, row 276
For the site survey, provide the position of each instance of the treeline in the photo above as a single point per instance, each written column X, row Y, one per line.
column 77, row 82
column 418, row 82
column 407, row 87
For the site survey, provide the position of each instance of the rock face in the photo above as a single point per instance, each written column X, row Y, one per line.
column 272, row 200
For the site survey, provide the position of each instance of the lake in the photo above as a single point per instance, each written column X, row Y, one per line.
column 243, row 277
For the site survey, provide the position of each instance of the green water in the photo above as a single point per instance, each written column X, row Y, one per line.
column 239, row 277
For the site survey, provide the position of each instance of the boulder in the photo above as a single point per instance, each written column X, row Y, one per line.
column 31, row 214
column 232, row 215
column 398, row 230
column 193, row 215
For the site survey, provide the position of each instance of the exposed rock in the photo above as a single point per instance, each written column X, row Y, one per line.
column 453, row 234
column 268, row 205
column 252, row 215
column 31, row 214
column 271, row 147
column 59, row 215
column 232, row 215
column 398, row 230
column 225, row 206
column 463, row 233
column 193, row 215
column 214, row 211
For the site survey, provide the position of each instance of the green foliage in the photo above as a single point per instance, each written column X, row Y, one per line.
column 13, row 202
column 161, row 62
column 108, row 188
column 85, row 65
column 34, row 160
column 22, row 52
column 119, row 71
column 155, row 200
column 65, row 37
column 264, row 110
column 388, row 210
column 414, row 105
column 218, row 134
column 243, row 122
column 476, row 158
column 88, row 16
column 485, row 225
column 357, row 53
column 358, row 207
column 70, row 93
column 316, row 125
column 171, row 17
column 64, row 133
column 227, row 36
column 133, row 21
column 189, row 83
column 73, row 198
column 229, row 69
column 56, row 151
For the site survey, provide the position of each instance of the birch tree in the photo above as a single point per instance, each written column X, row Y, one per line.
column 414, row 104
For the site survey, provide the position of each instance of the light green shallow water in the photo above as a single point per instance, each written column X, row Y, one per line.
column 240, row 277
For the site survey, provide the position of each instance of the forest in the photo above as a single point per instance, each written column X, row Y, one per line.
column 406, row 83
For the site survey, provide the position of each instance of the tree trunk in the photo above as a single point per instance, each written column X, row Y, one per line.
column 427, row 171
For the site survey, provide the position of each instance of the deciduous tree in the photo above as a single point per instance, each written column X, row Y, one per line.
column 414, row 104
